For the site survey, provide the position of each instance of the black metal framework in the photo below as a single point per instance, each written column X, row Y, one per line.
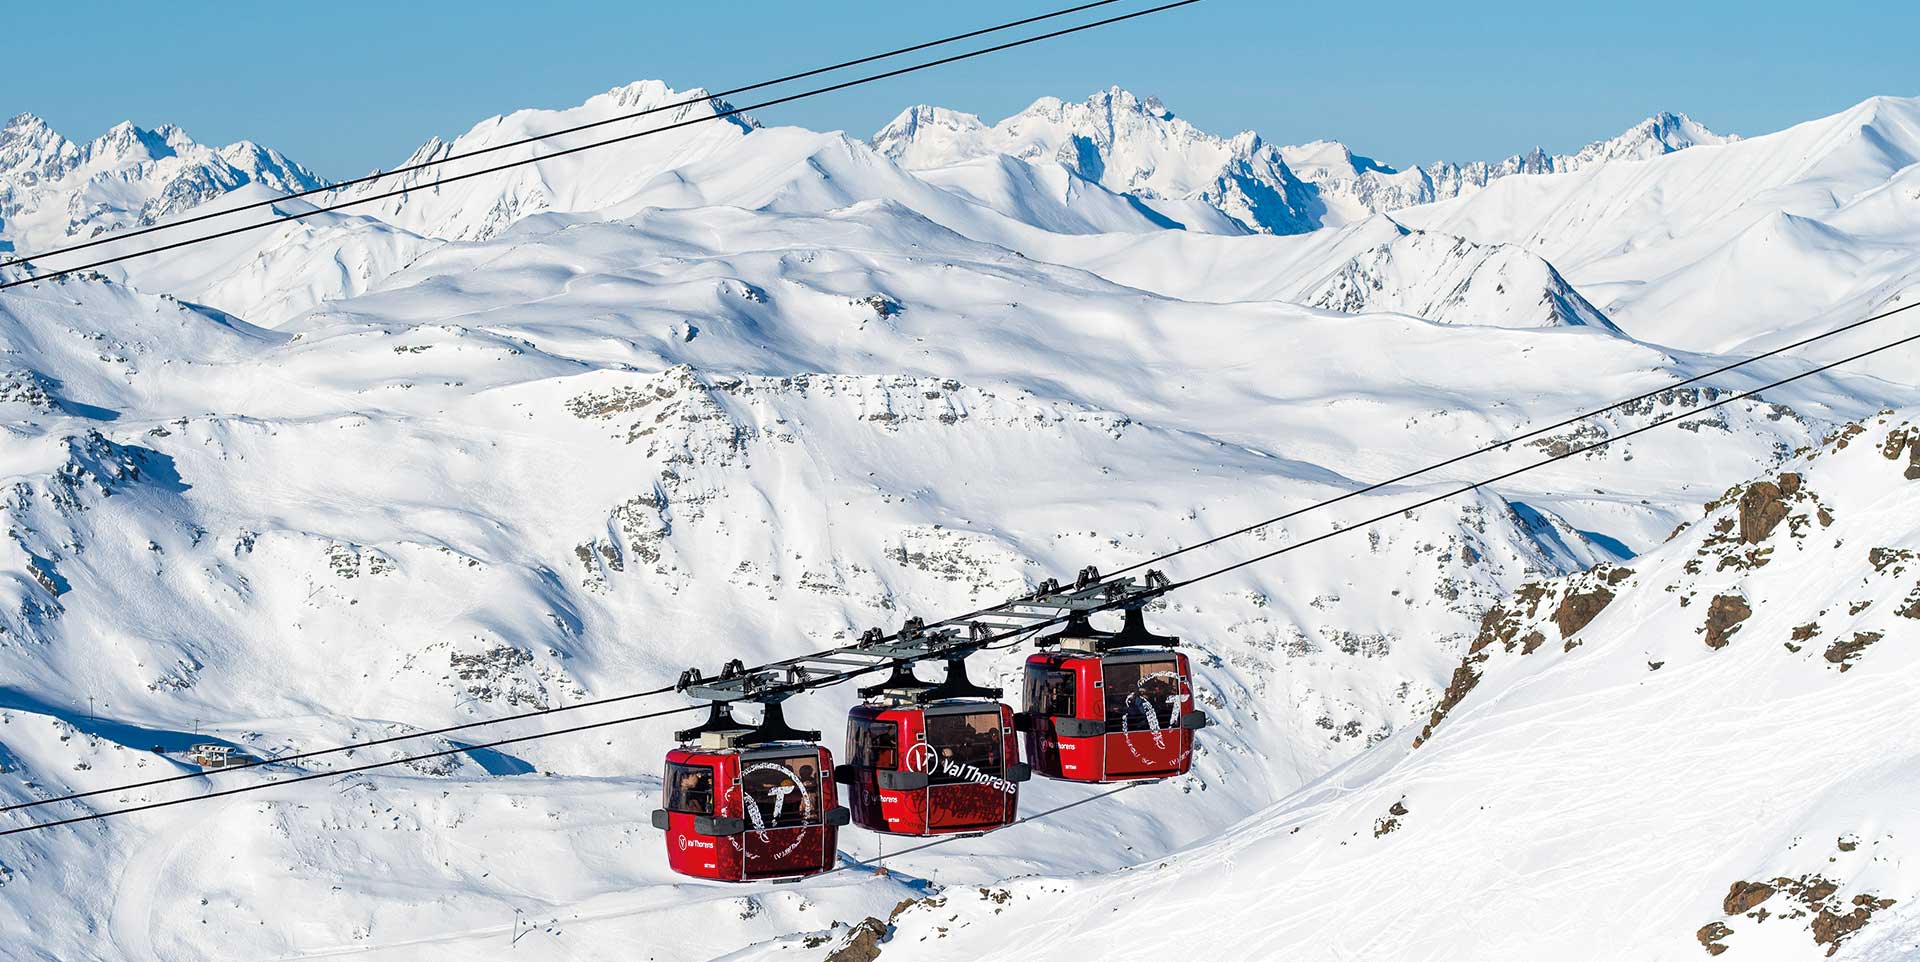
column 1051, row 604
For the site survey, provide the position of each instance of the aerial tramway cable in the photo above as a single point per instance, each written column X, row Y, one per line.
column 1000, row 639
column 1508, row 442
column 1582, row 449
column 437, row 161
column 717, row 115
column 427, row 756
column 1036, row 816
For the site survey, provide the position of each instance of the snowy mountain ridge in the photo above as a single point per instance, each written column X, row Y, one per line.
column 480, row 208
column 1135, row 145
column 55, row 191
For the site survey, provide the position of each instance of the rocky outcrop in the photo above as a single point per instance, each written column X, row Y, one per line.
column 1904, row 439
column 1579, row 608
column 862, row 943
column 1745, row 539
column 1724, row 617
column 1830, row 918
column 1391, row 821
column 1845, row 653
column 1763, row 506
column 1515, row 627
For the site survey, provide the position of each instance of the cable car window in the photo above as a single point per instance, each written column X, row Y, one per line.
column 873, row 744
column 966, row 748
column 781, row 792
column 689, row 788
column 1142, row 695
column 1049, row 691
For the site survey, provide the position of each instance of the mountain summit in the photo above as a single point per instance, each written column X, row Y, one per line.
column 1135, row 145
column 1125, row 143
column 53, row 190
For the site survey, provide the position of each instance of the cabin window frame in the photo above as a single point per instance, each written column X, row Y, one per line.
column 685, row 801
column 1066, row 691
column 1118, row 700
column 992, row 764
column 866, row 752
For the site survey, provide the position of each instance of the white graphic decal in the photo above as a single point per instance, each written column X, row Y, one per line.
column 1155, row 729
column 760, row 821
column 920, row 758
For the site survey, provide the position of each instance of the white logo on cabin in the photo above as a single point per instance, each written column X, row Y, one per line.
column 759, row 818
column 1155, row 730
column 921, row 758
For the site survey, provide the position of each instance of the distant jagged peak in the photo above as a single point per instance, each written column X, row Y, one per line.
column 533, row 122
column 1113, row 103
column 1662, row 133
column 629, row 98
column 29, row 143
column 921, row 119
column 543, row 175
column 52, row 189
column 1330, row 154
column 25, row 125
column 30, row 146
column 124, row 142
column 1115, row 116
column 1124, row 142
column 648, row 94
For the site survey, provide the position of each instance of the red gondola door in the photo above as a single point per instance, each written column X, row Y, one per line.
column 1051, row 693
column 1146, row 696
column 781, row 798
column 965, row 753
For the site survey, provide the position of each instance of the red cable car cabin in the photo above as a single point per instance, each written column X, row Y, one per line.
column 1110, row 707
column 747, row 804
column 932, row 760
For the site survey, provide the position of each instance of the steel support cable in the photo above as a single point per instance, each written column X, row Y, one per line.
column 1010, row 638
column 1582, row 449
column 862, row 863
column 335, row 773
column 437, row 161
column 717, row 115
column 449, row 729
column 1508, row 442
column 318, row 752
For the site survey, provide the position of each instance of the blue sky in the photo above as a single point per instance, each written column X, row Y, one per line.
column 350, row 85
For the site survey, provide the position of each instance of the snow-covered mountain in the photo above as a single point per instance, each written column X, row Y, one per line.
column 54, row 191
column 1720, row 247
column 741, row 391
column 1135, row 145
column 1351, row 186
column 1712, row 752
column 1128, row 144
column 482, row 207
